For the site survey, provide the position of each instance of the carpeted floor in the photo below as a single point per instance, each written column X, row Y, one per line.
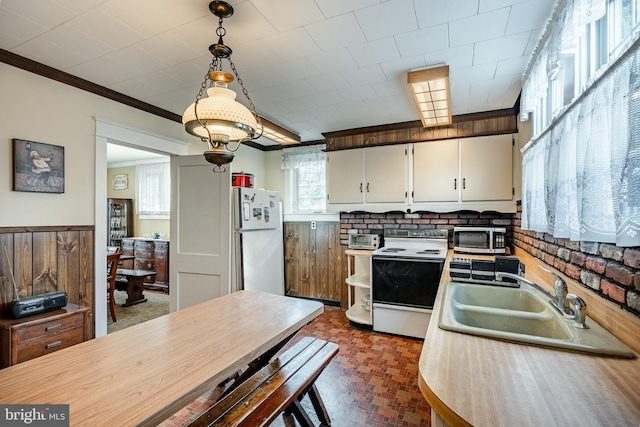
column 157, row 305
column 373, row 381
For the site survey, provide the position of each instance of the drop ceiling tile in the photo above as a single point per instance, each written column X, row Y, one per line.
column 198, row 34
column 286, row 15
column 326, row 98
column 246, row 25
column 103, row 70
column 79, row 6
column 489, row 5
column 375, row 52
column 461, row 56
column 436, row 12
column 502, row 48
column 47, row 14
column 169, row 48
column 99, row 25
column 332, row 8
column 297, row 69
column 138, row 87
column 14, row 29
column 293, row 44
column 337, row 32
column 510, row 68
column 398, row 69
column 478, row 28
column 421, row 41
column 151, row 17
column 138, row 59
column 67, row 37
column 254, row 56
column 260, row 79
column 332, row 81
column 528, row 15
column 387, row 19
column 360, row 93
column 334, row 60
column 365, row 75
column 48, row 54
column 474, row 73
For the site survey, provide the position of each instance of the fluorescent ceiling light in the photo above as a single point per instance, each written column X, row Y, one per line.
column 278, row 134
column 430, row 87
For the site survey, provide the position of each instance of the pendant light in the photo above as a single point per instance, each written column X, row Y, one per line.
column 218, row 119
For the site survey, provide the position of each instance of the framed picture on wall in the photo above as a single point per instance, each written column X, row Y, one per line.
column 38, row 167
column 120, row 181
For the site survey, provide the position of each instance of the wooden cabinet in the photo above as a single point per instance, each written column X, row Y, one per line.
column 435, row 171
column 149, row 254
column 119, row 221
column 370, row 175
column 30, row 337
column 314, row 261
column 463, row 170
column 359, row 286
column 486, row 168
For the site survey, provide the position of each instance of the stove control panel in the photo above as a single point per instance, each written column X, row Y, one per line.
column 419, row 234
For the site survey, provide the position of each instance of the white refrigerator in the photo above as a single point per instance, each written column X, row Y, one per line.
column 258, row 241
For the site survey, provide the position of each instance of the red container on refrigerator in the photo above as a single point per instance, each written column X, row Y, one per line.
column 242, row 179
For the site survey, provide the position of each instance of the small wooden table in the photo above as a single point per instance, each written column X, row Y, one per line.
column 145, row 373
column 135, row 285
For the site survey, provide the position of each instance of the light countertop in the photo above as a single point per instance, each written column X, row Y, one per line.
column 470, row 380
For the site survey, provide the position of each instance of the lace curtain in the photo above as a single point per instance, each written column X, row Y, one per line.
column 153, row 184
column 581, row 177
column 293, row 158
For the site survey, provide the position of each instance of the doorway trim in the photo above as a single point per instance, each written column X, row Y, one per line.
column 108, row 131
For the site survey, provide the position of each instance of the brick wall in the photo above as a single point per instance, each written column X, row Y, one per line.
column 365, row 222
column 610, row 271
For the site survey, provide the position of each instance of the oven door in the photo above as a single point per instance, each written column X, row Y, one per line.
column 408, row 282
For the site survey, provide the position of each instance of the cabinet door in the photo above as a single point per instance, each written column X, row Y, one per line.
column 435, row 171
column 345, row 176
column 386, row 172
column 486, row 165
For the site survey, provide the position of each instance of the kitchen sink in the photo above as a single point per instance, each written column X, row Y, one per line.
column 522, row 315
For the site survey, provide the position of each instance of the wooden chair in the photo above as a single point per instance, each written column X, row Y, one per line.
column 112, row 267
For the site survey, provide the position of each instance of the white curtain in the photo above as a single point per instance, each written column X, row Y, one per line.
column 581, row 178
column 293, row 158
column 153, row 185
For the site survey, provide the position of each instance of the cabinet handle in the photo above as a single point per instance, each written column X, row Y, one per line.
column 455, row 183
column 367, row 187
column 52, row 327
column 464, row 183
column 53, row 344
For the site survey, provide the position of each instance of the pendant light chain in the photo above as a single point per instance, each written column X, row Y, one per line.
column 246, row 94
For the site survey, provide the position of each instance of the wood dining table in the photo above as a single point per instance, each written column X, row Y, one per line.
column 143, row 374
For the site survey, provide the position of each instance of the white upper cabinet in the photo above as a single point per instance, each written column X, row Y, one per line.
column 435, row 171
column 345, row 176
column 369, row 175
column 441, row 176
column 486, row 168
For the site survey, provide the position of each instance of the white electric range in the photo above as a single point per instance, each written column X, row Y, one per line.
column 405, row 279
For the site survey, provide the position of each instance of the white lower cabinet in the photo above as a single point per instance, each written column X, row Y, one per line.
column 359, row 286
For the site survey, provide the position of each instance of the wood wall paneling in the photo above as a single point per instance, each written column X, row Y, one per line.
column 47, row 259
column 315, row 264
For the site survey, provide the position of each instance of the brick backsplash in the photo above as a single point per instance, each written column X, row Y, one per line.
column 610, row 271
column 366, row 222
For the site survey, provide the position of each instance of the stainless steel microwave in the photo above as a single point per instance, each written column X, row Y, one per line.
column 479, row 240
column 364, row 241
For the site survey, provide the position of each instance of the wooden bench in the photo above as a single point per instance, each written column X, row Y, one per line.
column 277, row 388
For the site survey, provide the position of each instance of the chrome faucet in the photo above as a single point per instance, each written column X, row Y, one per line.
column 579, row 308
column 501, row 274
column 561, row 290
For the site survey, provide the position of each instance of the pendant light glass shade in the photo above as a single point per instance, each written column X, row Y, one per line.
column 220, row 117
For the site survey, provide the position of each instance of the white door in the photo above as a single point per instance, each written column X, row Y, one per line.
column 200, row 232
column 435, row 171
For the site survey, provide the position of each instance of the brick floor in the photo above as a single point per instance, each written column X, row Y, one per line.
column 371, row 382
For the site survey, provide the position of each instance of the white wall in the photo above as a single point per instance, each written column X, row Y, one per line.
column 39, row 109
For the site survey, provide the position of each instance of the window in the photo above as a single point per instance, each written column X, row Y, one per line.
column 305, row 179
column 153, row 195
